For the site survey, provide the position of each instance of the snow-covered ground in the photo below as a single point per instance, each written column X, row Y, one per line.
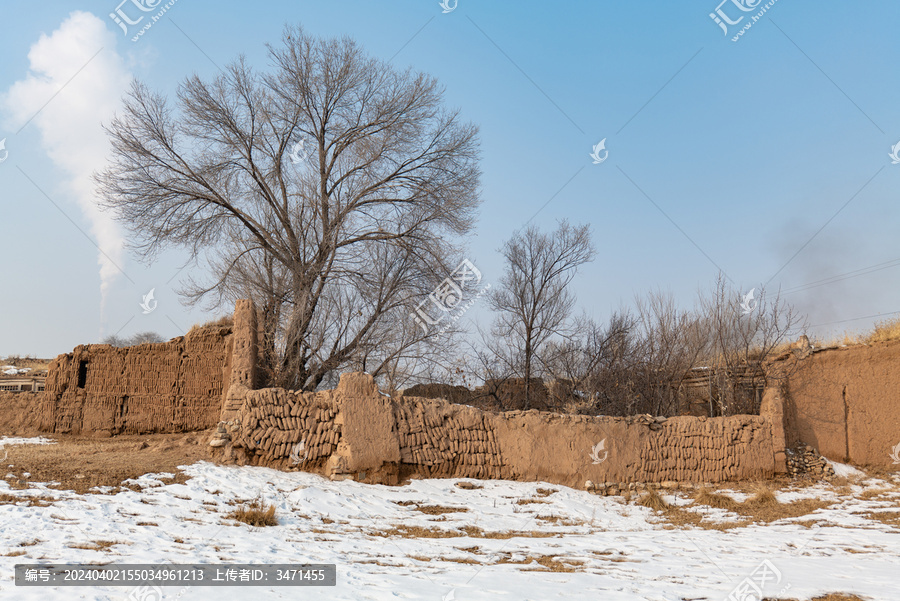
column 619, row 551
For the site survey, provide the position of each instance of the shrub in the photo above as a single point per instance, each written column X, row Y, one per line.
column 255, row 514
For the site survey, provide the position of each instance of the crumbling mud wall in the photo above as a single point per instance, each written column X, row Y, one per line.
column 20, row 413
column 845, row 402
column 374, row 438
column 173, row 386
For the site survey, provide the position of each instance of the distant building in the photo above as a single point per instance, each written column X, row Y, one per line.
column 33, row 384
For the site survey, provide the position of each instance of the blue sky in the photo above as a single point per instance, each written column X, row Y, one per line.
column 722, row 154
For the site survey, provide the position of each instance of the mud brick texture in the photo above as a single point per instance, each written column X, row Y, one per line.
column 173, row 386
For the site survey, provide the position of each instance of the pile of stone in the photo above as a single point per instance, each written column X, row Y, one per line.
column 654, row 423
column 607, row 489
column 805, row 461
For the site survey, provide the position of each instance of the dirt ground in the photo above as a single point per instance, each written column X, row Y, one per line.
column 81, row 462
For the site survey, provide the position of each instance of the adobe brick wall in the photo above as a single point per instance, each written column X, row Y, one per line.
column 173, row 386
column 845, row 402
column 21, row 414
column 354, row 431
column 242, row 354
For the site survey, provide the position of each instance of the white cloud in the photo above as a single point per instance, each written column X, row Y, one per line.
column 70, row 125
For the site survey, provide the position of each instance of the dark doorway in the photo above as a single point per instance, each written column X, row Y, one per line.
column 82, row 373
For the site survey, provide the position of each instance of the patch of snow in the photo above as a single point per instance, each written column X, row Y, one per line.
column 7, row 441
column 620, row 552
column 846, row 471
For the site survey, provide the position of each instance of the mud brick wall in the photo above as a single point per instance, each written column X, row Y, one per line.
column 173, row 386
column 21, row 413
column 288, row 428
column 242, row 353
column 440, row 439
column 707, row 450
column 356, row 432
column 845, row 402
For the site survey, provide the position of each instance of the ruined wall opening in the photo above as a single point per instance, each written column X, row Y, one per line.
column 82, row 374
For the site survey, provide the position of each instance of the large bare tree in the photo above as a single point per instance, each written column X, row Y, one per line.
column 330, row 189
column 532, row 302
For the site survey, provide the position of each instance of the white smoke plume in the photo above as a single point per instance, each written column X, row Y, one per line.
column 70, row 123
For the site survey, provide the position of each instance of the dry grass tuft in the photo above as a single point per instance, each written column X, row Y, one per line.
column 224, row 321
column 828, row 597
column 781, row 511
column 431, row 509
column 550, row 563
column 34, row 501
column 763, row 497
column 530, row 501
column 476, row 532
column 254, row 514
column 715, row 500
column 873, row 493
column 559, row 521
column 416, row 532
column 467, row 560
column 468, row 485
column 885, row 331
column 96, row 545
column 654, row 501
column 891, row 518
column 466, row 531
column 440, row 509
column 545, row 492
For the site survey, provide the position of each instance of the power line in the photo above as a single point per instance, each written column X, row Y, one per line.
column 830, row 323
column 843, row 276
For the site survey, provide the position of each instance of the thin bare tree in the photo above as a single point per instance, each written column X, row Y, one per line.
column 532, row 301
column 329, row 189
column 744, row 330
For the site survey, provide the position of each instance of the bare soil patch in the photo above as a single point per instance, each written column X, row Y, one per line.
column 80, row 463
